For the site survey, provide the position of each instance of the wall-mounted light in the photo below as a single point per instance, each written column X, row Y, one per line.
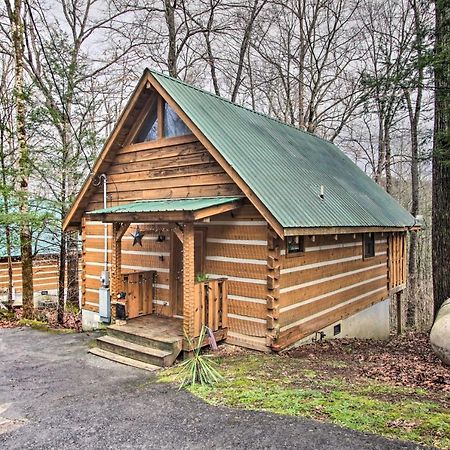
column 161, row 238
column 161, row 257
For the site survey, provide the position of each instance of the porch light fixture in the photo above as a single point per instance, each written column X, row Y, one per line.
column 161, row 238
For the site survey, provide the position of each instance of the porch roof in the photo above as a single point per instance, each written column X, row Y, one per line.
column 167, row 209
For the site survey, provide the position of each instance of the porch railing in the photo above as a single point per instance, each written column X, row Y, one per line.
column 210, row 305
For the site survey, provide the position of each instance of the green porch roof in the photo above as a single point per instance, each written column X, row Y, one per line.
column 286, row 167
column 167, row 205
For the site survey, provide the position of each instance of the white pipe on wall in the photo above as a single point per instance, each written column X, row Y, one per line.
column 105, row 225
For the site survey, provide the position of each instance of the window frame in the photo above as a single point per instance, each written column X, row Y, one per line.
column 365, row 236
column 158, row 104
column 301, row 251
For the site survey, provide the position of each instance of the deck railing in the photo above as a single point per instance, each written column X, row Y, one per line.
column 210, row 305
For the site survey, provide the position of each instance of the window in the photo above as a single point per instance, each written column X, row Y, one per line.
column 161, row 115
column 369, row 245
column 149, row 129
column 295, row 245
column 173, row 125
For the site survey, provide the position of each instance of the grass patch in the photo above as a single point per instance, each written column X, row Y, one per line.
column 286, row 386
column 43, row 326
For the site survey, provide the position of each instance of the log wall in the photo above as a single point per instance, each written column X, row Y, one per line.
column 45, row 274
column 236, row 248
column 153, row 255
column 174, row 168
column 330, row 280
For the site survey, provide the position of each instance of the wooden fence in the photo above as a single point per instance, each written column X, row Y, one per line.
column 397, row 260
column 210, row 305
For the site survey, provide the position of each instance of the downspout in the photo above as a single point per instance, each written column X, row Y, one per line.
column 105, row 225
column 105, row 274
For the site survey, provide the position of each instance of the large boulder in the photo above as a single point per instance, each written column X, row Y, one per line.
column 440, row 333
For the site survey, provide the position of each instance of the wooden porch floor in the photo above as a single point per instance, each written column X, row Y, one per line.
column 152, row 326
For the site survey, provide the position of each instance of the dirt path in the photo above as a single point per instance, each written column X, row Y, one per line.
column 54, row 395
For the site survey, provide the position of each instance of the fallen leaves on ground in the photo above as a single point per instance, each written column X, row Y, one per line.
column 71, row 321
column 406, row 360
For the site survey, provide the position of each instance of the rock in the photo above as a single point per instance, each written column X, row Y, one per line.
column 440, row 333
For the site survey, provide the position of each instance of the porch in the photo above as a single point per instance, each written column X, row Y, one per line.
column 194, row 300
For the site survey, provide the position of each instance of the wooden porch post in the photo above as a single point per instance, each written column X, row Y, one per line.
column 116, row 270
column 188, row 279
column 118, row 230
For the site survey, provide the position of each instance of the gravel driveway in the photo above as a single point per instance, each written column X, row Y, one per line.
column 53, row 394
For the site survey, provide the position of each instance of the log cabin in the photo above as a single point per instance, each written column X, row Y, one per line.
column 45, row 250
column 199, row 211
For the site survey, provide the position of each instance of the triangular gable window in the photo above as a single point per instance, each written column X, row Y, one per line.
column 161, row 115
column 149, row 129
column 173, row 125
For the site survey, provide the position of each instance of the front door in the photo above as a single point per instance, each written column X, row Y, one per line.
column 139, row 293
column 176, row 267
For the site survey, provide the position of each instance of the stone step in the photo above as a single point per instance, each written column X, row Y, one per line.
column 162, row 358
column 123, row 359
column 161, row 342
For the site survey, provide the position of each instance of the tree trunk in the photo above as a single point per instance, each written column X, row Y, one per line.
column 387, row 146
column 301, row 68
column 441, row 157
column 72, row 269
column 24, row 158
column 411, row 318
column 61, row 279
column 7, row 226
column 256, row 9
column 381, row 152
column 172, row 51
column 10, row 299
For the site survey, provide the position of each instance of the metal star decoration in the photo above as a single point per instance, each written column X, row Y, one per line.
column 137, row 237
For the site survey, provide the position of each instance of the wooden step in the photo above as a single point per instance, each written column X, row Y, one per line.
column 123, row 359
column 169, row 343
column 149, row 355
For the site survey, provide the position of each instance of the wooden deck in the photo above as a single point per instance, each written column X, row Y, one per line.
column 152, row 326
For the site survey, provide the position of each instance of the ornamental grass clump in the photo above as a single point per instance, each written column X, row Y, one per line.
column 199, row 369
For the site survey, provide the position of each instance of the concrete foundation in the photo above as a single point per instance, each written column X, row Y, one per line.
column 90, row 320
column 51, row 296
column 371, row 323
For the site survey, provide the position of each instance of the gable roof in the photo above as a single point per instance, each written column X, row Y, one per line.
column 286, row 167
column 280, row 168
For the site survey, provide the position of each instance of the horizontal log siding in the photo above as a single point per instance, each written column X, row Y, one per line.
column 329, row 281
column 236, row 248
column 175, row 170
column 45, row 275
column 134, row 259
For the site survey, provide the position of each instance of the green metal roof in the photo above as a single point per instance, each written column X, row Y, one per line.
column 167, row 205
column 286, row 167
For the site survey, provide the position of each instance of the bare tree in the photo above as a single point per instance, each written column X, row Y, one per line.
column 413, row 91
column 7, row 163
column 15, row 12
